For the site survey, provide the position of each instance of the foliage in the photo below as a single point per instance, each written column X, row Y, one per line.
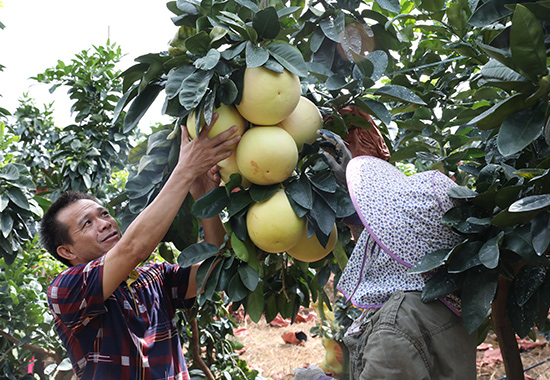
column 38, row 161
column 456, row 86
column 81, row 156
column 24, row 316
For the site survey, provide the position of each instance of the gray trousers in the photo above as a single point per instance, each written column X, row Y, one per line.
column 408, row 339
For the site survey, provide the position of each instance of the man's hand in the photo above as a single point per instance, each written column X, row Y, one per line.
column 209, row 180
column 335, row 153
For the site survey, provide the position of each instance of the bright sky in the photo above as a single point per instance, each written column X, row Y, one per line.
column 39, row 32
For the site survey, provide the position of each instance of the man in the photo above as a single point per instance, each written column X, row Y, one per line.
column 398, row 336
column 116, row 320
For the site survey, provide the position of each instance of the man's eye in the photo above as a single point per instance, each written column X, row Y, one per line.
column 86, row 223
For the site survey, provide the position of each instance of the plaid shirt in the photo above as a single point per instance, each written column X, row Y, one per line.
column 131, row 335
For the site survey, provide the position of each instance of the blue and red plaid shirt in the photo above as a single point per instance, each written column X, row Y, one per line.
column 131, row 335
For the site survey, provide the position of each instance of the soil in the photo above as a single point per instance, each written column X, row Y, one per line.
column 267, row 352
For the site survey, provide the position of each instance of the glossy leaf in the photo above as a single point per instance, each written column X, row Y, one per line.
column 288, row 56
column 540, row 230
column 489, row 253
column 300, row 192
column 441, row 284
column 530, row 203
column 399, row 93
column 255, row 55
column 249, row 277
column 526, row 283
column 210, row 204
column 519, row 130
column 139, row 106
column 196, row 253
column 478, row 292
column 194, row 88
column 527, row 43
column 430, row 261
column 239, row 248
column 266, row 22
column 255, row 304
column 464, row 257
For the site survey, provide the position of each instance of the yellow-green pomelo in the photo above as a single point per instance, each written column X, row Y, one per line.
column 266, row 155
column 268, row 97
column 302, row 124
column 273, row 225
column 228, row 167
column 228, row 117
column 310, row 250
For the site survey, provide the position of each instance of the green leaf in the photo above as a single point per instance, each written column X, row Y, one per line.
column 239, row 248
column 376, row 109
column 196, row 253
column 193, row 88
column 198, row 44
column 236, row 291
column 526, row 283
column 249, row 277
column 239, row 201
column 397, row 92
column 324, row 181
column 464, row 257
column 300, row 192
column 478, row 292
column 211, row 203
column 490, row 252
column 288, row 56
column 440, row 285
column 519, row 130
column 255, row 304
column 389, row 5
column 6, row 224
column 461, row 192
column 139, row 106
column 209, row 61
column 17, row 196
column 266, row 23
column 323, row 216
column 261, row 193
column 430, row 261
column 527, row 43
column 255, row 55
column 489, row 12
column 9, row 172
column 530, row 203
column 540, row 231
column 333, row 27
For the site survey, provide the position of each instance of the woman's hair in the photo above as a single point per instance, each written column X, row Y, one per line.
column 53, row 233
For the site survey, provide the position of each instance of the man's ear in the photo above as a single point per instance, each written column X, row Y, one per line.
column 65, row 252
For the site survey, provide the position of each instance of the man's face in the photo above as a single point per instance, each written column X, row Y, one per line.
column 92, row 229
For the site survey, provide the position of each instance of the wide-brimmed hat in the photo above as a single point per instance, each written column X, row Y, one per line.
column 402, row 219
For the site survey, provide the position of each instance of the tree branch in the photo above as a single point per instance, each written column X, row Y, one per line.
column 31, row 347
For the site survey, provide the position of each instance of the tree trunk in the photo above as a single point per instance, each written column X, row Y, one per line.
column 196, row 349
column 505, row 333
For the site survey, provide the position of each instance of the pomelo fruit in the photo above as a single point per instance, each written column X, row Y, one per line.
column 228, row 167
column 310, row 250
column 302, row 124
column 273, row 225
column 266, row 155
column 228, row 117
column 268, row 97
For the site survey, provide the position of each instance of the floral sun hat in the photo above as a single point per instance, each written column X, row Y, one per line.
column 402, row 219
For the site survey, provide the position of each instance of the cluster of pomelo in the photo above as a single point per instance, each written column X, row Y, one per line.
column 275, row 121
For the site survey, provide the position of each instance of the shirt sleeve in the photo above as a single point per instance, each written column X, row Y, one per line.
column 176, row 283
column 76, row 295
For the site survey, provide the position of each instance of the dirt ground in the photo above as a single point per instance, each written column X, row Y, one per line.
column 267, row 352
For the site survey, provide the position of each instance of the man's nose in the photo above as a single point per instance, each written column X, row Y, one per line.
column 104, row 224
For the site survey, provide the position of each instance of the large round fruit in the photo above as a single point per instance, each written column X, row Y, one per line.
column 228, row 117
column 268, row 97
column 273, row 225
column 310, row 250
column 302, row 124
column 266, row 155
column 228, row 167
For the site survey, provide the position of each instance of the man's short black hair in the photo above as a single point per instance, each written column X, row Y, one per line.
column 53, row 233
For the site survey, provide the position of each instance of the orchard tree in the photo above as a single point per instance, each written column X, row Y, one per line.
column 459, row 86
